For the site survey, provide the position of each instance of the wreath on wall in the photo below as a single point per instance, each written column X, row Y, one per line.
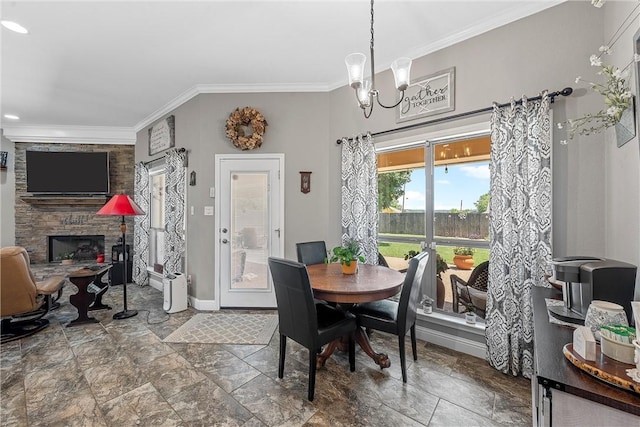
column 239, row 121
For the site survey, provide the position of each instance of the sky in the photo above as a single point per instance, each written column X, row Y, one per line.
column 462, row 183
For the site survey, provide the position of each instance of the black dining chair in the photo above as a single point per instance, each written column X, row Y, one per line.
column 310, row 253
column 397, row 317
column 310, row 325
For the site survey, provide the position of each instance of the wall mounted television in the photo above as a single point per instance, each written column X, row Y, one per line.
column 67, row 172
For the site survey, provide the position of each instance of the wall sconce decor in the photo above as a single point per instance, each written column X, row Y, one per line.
column 192, row 178
column 305, row 182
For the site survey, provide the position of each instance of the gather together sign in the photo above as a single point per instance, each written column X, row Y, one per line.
column 426, row 96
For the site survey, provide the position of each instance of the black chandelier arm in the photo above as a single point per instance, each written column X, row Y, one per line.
column 364, row 110
column 390, row 106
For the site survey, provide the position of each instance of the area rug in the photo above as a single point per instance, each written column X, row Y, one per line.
column 226, row 328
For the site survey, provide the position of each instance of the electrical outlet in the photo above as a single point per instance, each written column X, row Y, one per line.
column 208, row 210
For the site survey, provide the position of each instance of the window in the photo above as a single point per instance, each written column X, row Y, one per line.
column 156, row 218
column 435, row 195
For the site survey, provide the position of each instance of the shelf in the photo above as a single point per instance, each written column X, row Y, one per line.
column 65, row 200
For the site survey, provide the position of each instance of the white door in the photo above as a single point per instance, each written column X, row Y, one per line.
column 249, row 227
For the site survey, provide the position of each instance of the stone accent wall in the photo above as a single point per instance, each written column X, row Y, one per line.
column 35, row 222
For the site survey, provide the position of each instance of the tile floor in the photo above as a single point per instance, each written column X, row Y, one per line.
column 120, row 373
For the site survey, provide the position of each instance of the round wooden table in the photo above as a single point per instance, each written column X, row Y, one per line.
column 370, row 283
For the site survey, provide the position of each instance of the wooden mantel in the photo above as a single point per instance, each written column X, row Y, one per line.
column 65, row 200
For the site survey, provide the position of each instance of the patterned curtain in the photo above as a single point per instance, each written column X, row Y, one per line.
column 519, row 229
column 175, row 202
column 141, row 226
column 360, row 195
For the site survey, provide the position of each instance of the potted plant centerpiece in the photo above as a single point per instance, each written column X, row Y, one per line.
column 348, row 254
column 463, row 258
column 66, row 257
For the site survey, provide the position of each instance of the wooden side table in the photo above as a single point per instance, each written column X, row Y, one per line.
column 86, row 299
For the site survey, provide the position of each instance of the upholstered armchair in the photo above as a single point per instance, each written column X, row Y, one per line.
column 23, row 299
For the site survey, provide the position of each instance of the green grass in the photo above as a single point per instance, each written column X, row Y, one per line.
column 398, row 250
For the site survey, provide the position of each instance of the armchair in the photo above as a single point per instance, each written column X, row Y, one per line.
column 23, row 299
column 471, row 293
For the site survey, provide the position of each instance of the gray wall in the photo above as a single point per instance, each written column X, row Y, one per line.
column 7, row 195
column 622, row 165
column 545, row 51
column 296, row 127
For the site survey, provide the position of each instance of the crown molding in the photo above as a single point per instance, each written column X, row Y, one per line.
column 71, row 134
column 212, row 88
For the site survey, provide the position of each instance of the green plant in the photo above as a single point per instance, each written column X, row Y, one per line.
column 441, row 265
column 346, row 253
column 410, row 254
column 463, row 251
column 65, row 255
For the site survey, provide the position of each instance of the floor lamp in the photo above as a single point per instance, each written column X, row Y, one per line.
column 122, row 205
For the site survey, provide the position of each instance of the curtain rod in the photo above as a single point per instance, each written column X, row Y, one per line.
column 564, row 92
column 180, row 150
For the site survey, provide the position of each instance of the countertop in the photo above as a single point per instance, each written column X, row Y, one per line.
column 555, row 371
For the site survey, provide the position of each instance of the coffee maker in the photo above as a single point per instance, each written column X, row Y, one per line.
column 586, row 279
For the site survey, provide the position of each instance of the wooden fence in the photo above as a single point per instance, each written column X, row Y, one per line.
column 467, row 226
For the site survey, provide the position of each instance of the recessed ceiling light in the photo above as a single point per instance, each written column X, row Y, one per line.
column 11, row 117
column 14, row 26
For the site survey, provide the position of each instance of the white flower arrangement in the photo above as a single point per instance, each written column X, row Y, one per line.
column 616, row 93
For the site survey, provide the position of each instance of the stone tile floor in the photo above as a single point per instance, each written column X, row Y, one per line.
column 120, row 373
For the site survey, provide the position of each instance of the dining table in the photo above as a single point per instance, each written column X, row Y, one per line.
column 369, row 283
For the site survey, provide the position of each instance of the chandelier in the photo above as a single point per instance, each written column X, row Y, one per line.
column 366, row 90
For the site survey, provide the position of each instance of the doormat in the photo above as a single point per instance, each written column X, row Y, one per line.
column 226, row 328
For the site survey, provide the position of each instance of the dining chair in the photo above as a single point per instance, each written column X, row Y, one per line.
column 301, row 319
column 462, row 289
column 397, row 317
column 310, row 253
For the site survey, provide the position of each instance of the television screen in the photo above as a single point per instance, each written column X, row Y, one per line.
column 67, row 172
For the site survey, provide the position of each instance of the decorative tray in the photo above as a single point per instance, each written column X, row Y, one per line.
column 603, row 368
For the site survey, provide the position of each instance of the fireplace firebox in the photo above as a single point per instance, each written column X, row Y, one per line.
column 83, row 248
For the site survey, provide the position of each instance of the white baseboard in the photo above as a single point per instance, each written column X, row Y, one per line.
column 204, row 305
column 464, row 345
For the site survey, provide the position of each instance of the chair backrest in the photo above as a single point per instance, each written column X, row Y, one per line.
column 18, row 292
column 382, row 261
column 408, row 304
column 296, row 306
column 310, row 253
column 479, row 278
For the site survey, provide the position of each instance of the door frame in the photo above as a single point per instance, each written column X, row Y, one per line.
column 217, row 209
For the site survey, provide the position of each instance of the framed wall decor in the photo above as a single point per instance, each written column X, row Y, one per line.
column 162, row 136
column 428, row 95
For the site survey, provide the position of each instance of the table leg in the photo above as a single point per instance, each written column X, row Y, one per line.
column 97, row 303
column 81, row 300
column 342, row 344
column 381, row 359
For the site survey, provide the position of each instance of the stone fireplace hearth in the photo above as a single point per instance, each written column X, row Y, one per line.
column 83, row 248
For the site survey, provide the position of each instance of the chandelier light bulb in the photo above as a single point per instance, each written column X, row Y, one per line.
column 401, row 68
column 364, row 95
column 355, row 67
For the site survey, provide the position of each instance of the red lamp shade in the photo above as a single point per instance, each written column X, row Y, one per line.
column 121, row 205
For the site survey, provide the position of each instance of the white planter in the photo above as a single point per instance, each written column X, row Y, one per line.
column 470, row 317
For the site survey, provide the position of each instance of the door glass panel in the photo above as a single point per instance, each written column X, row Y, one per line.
column 249, row 226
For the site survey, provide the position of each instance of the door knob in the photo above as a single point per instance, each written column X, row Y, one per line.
column 224, row 230
column 225, row 241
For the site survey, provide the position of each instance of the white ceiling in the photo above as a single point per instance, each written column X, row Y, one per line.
column 122, row 64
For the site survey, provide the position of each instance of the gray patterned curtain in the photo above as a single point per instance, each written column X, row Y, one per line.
column 175, row 202
column 519, row 229
column 360, row 195
column 141, row 226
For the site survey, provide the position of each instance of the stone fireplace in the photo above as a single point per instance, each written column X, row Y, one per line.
column 51, row 225
column 83, row 248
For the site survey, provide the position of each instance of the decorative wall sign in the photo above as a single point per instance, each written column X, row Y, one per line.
column 162, row 136
column 429, row 95
column 305, row 182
